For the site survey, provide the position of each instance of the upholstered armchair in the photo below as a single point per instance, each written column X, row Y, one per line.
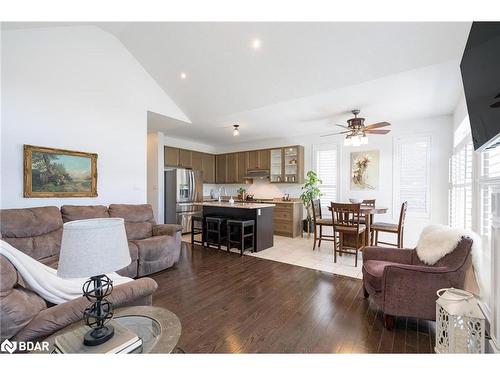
column 401, row 285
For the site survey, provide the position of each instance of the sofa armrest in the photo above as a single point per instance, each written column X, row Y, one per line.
column 387, row 254
column 410, row 290
column 166, row 229
column 50, row 320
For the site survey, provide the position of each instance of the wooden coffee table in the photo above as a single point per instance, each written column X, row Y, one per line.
column 159, row 329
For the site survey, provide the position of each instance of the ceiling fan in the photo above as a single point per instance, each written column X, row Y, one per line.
column 356, row 130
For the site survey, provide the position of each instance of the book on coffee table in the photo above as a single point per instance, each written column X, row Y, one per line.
column 123, row 341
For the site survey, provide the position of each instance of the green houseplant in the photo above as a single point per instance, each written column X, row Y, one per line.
column 310, row 191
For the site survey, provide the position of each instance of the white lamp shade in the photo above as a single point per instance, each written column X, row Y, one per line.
column 93, row 247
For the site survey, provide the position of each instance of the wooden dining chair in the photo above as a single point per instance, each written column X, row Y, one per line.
column 362, row 219
column 345, row 218
column 320, row 222
column 397, row 229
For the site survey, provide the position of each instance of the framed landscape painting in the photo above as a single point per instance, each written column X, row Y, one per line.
column 365, row 170
column 50, row 172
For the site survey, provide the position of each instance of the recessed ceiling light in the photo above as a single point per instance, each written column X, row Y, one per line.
column 256, row 43
column 183, row 75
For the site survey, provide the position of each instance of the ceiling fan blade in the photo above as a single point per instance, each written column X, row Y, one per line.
column 381, row 131
column 377, row 125
column 329, row 135
column 342, row 126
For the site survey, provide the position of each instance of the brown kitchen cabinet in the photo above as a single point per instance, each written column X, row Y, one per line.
column 231, row 168
column 263, row 159
column 287, row 165
column 197, row 160
column 185, row 158
column 171, row 155
column 208, row 168
column 288, row 218
column 242, row 167
column 220, row 168
column 258, row 159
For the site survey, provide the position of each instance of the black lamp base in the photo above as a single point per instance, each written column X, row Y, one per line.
column 98, row 336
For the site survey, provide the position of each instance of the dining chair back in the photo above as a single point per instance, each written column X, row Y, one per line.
column 346, row 222
column 368, row 202
column 319, row 222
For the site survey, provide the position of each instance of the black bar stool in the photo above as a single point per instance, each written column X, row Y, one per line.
column 197, row 227
column 215, row 233
column 236, row 229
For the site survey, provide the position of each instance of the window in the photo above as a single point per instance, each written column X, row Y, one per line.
column 460, row 193
column 412, row 169
column 489, row 178
column 325, row 159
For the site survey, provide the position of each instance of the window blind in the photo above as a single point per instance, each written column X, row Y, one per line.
column 460, row 193
column 490, row 177
column 413, row 174
column 326, row 165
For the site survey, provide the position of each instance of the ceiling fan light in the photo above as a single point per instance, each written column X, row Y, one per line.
column 364, row 140
column 356, row 141
column 347, row 141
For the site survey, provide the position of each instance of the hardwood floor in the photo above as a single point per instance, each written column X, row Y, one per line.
column 232, row 304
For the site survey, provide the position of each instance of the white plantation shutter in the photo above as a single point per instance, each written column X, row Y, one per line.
column 326, row 166
column 489, row 178
column 460, row 194
column 412, row 174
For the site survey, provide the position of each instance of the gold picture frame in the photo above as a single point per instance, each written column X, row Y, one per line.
column 52, row 172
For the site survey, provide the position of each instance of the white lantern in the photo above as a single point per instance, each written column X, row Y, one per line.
column 459, row 322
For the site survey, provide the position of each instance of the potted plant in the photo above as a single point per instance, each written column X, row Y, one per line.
column 310, row 191
column 241, row 193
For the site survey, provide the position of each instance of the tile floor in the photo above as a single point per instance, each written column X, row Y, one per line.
column 298, row 251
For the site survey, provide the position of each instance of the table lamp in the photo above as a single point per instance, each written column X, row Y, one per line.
column 92, row 248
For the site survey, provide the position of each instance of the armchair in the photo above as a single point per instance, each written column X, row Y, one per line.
column 401, row 285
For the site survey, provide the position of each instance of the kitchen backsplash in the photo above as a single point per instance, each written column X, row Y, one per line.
column 260, row 189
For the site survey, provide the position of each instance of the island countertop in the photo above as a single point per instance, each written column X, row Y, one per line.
column 246, row 205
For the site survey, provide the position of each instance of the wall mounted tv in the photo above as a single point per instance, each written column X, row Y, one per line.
column 480, row 69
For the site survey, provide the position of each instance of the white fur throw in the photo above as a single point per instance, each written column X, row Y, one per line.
column 436, row 241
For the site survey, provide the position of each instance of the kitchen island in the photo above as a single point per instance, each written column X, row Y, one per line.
column 261, row 213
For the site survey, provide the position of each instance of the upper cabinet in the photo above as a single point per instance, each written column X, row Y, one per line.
column 276, row 169
column 220, row 168
column 242, row 167
column 287, row 165
column 197, row 161
column 258, row 159
column 171, row 156
column 185, row 158
column 231, row 168
column 208, row 168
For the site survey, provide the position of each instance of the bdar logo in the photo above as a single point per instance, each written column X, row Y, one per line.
column 8, row 346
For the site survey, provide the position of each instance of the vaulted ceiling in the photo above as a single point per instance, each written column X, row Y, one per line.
column 303, row 77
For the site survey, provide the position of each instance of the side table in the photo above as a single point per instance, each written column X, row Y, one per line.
column 159, row 328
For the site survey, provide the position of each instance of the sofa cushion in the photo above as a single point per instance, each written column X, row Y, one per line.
column 70, row 213
column 154, row 248
column 133, row 250
column 139, row 219
column 17, row 309
column 39, row 247
column 8, row 276
column 30, row 222
column 373, row 270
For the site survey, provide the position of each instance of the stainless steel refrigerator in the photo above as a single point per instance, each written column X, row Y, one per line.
column 183, row 196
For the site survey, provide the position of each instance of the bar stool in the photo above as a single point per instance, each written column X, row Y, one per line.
column 197, row 227
column 237, row 227
column 215, row 232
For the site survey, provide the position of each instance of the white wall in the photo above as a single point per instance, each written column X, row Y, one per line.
column 77, row 88
column 438, row 128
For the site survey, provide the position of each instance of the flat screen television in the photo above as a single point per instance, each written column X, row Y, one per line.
column 480, row 69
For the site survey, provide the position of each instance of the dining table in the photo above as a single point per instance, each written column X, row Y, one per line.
column 369, row 212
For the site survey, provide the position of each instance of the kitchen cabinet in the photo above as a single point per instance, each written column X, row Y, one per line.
column 263, row 159
column 171, row 155
column 276, row 165
column 185, row 158
column 287, row 165
column 220, row 168
column 242, row 167
column 197, row 161
column 258, row 159
column 208, row 168
column 231, row 168
column 288, row 218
